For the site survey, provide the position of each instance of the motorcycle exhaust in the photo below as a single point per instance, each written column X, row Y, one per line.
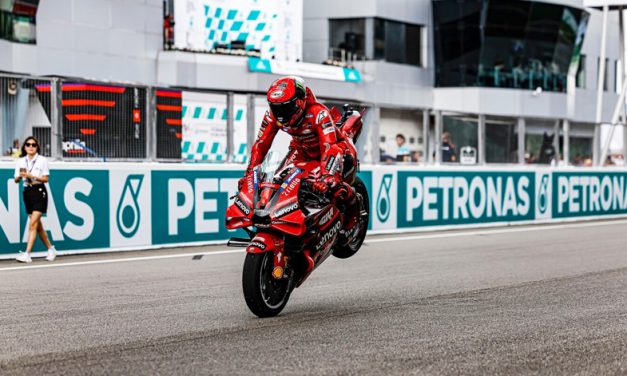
column 238, row 242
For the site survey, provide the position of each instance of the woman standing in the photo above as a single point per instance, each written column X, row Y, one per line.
column 33, row 169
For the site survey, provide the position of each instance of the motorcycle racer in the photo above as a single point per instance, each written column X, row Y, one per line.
column 294, row 109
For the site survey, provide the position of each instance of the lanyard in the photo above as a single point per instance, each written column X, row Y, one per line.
column 33, row 166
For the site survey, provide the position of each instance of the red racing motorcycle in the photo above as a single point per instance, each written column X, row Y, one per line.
column 291, row 229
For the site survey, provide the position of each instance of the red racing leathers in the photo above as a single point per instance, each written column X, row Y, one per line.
column 315, row 137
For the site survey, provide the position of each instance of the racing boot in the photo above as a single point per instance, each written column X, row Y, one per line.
column 349, row 204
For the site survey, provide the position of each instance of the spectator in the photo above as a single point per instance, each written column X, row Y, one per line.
column 402, row 153
column 14, row 152
column 448, row 148
column 384, row 157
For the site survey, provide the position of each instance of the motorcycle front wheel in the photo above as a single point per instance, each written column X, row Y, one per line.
column 265, row 296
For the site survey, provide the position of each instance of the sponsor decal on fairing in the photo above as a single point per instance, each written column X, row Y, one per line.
column 326, row 218
column 257, row 244
column 286, row 210
column 241, row 205
column 327, row 236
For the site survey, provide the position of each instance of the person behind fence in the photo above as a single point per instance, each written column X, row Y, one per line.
column 402, row 151
column 448, row 148
column 32, row 169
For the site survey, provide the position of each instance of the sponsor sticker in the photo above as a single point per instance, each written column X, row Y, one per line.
column 326, row 218
column 257, row 244
column 321, row 115
column 277, row 94
column 286, row 210
column 241, row 205
column 327, row 236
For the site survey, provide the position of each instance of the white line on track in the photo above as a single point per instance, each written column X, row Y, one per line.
column 368, row 241
column 497, row 231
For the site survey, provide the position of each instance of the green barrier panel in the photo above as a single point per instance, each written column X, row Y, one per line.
column 101, row 207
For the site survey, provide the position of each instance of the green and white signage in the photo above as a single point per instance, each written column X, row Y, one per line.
column 100, row 207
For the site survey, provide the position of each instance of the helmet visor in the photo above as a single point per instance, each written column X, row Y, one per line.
column 283, row 112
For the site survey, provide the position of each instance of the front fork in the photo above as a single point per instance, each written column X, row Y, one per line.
column 269, row 242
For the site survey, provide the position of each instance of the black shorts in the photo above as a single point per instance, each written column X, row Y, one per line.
column 36, row 198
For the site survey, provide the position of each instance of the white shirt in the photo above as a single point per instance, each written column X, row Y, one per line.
column 38, row 166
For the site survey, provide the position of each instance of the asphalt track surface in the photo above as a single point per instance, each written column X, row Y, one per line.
column 527, row 300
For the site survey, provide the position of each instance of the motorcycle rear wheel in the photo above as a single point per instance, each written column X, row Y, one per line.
column 354, row 244
column 265, row 296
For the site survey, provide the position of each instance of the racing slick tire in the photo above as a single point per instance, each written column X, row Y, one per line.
column 265, row 296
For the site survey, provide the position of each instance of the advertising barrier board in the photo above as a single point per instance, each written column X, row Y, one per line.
column 101, row 207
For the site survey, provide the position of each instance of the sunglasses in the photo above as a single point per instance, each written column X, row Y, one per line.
column 30, row 144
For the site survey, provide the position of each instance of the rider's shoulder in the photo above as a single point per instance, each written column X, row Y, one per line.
column 319, row 112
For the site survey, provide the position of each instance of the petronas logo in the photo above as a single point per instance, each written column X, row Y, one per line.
column 543, row 198
column 128, row 214
column 383, row 198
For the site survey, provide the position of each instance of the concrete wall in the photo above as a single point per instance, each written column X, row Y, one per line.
column 101, row 39
column 121, row 40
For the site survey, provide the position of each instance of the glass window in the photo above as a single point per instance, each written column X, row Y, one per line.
column 607, row 68
column 505, row 43
column 17, row 27
column 581, row 151
column 379, row 39
column 540, row 140
column 412, row 44
column 457, row 42
column 581, row 72
column 397, row 42
column 401, row 136
column 347, row 36
column 501, row 142
column 459, row 134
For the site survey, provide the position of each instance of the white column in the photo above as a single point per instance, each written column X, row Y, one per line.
column 596, row 145
column 600, row 82
column 621, row 27
column 373, row 123
column 251, row 136
column 426, row 120
column 437, row 142
column 481, row 139
column 56, row 121
column 566, row 133
column 151, row 124
column 230, row 127
column 521, row 140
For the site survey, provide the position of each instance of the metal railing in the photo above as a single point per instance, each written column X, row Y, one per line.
column 23, row 112
column 82, row 120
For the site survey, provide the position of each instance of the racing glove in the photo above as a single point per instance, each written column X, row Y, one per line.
column 324, row 184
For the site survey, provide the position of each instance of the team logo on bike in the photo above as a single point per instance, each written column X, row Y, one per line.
column 383, row 198
column 128, row 215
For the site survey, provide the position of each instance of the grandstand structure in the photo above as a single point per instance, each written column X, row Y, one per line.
column 182, row 80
